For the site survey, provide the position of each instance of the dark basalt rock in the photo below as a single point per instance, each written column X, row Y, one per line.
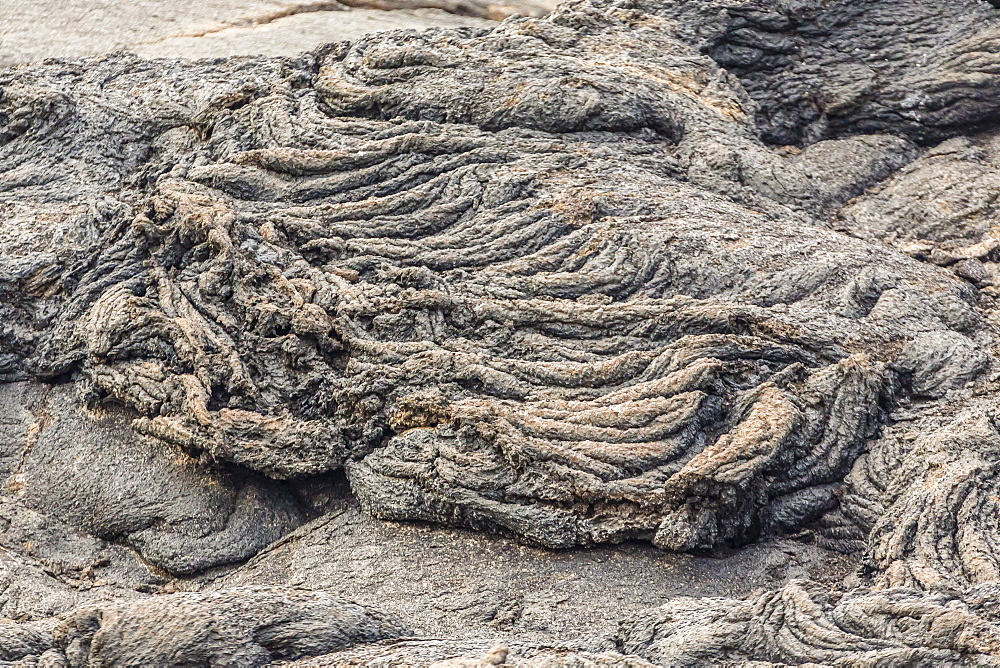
column 552, row 280
column 818, row 69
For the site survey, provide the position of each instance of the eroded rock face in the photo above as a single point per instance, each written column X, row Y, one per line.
column 248, row 627
column 833, row 68
column 551, row 280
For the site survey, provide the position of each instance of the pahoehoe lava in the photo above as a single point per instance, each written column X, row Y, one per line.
column 700, row 274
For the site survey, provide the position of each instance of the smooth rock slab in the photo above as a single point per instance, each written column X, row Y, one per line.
column 90, row 470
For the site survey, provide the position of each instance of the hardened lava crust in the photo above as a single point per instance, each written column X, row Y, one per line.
column 649, row 332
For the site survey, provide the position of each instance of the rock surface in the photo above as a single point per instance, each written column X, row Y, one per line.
column 701, row 294
column 32, row 30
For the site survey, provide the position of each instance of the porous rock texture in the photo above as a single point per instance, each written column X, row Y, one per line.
column 698, row 274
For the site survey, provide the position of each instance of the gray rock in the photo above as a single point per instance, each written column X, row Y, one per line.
column 91, row 472
column 452, row 582
column 800, row 624
column 640, row 417
column 33, row 31
column 470, row 654
column 239, row 627
column 822, row 69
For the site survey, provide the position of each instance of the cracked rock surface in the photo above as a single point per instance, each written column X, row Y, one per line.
column 643, row 333
column 32, row 30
